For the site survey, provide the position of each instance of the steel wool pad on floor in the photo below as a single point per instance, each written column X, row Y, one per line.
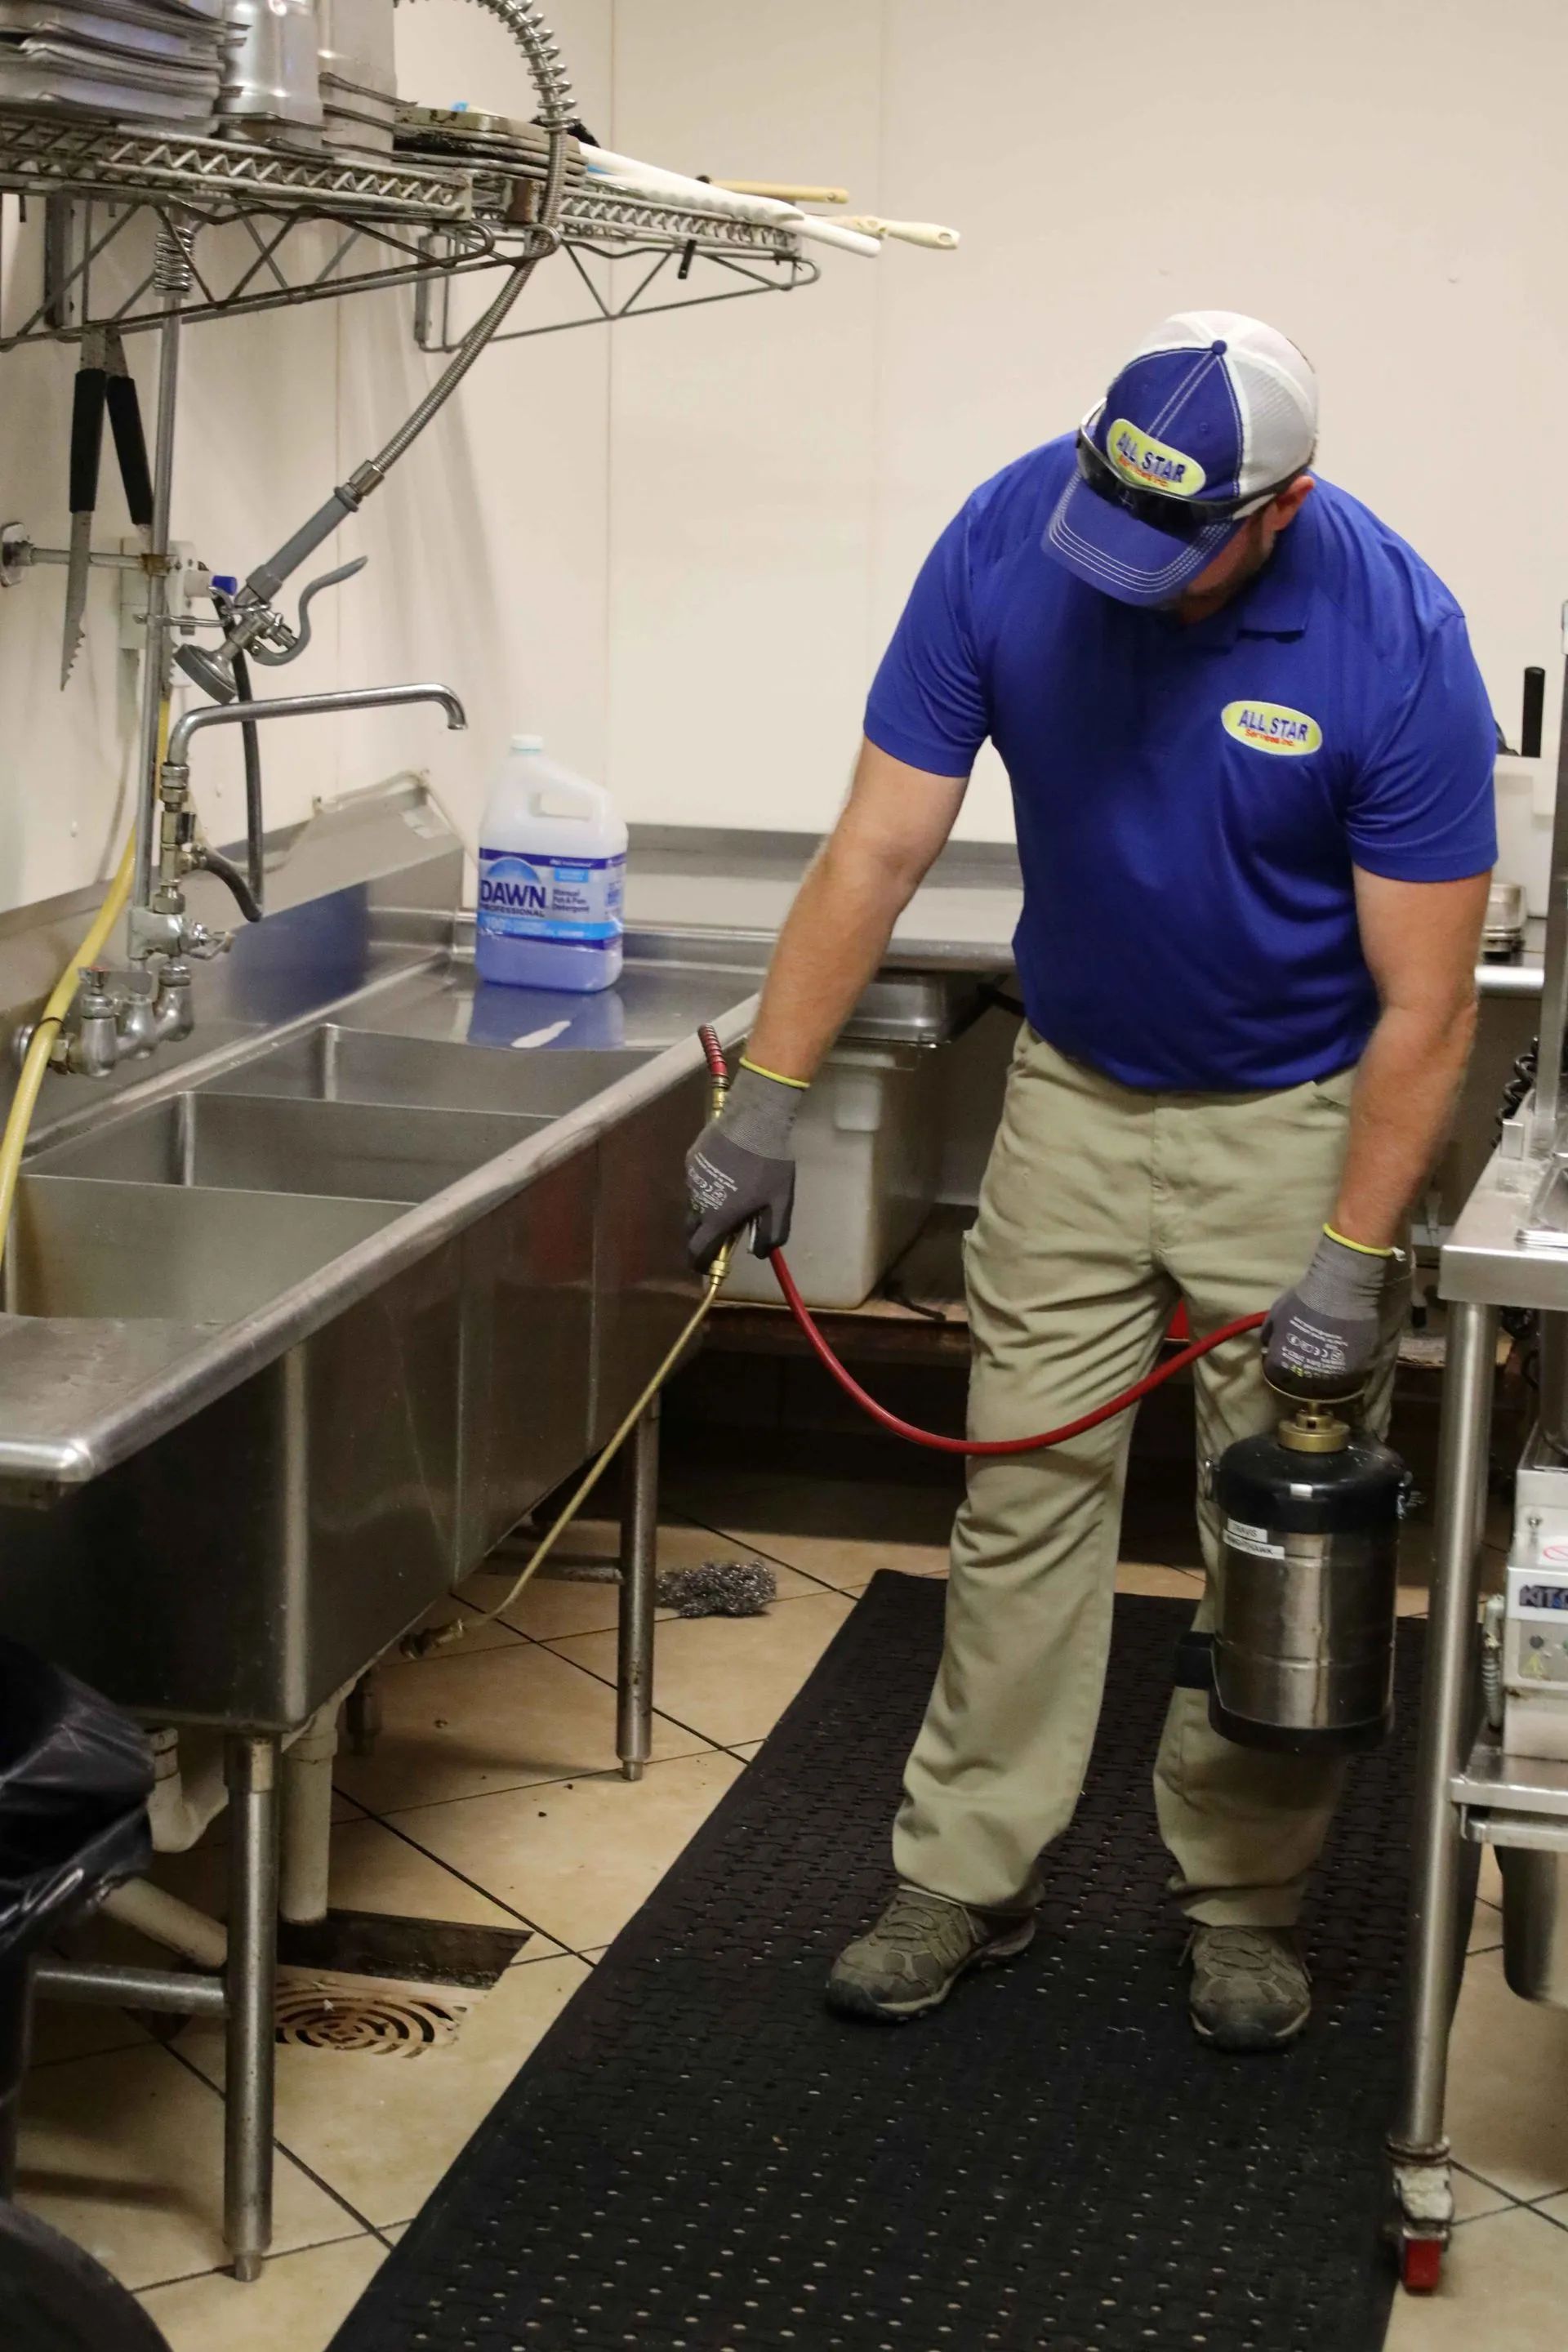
column 699, row 2159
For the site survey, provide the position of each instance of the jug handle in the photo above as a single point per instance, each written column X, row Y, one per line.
column 591, row 800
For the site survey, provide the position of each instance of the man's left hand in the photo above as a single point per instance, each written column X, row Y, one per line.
column 1321, row 1339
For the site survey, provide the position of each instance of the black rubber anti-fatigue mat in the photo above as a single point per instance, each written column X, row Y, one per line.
column 699, row 2159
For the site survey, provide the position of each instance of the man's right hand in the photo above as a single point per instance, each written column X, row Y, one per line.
column 740, row 1169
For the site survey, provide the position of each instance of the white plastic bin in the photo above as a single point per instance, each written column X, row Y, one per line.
column 867, row 1147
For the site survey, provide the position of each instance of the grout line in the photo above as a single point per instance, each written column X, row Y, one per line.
column 221, row 2269
column 79, row 2057
column 520, row 1788
column 461, row 1876
column 281, row 2147
column 777, row 1558
column 1496, row 2187
column 661, row 1715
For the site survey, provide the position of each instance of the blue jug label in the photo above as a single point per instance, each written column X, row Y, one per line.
column 575, row 901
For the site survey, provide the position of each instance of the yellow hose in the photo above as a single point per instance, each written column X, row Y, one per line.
column 25, row 1101
column 441, row 1637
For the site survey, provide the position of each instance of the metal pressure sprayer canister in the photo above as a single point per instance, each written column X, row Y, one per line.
column 1303, row 1643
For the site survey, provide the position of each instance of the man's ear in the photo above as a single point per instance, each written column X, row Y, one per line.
column 1290, row 502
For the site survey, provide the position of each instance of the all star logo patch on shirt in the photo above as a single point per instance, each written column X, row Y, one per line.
column 1271, row 726
column 1152, row 464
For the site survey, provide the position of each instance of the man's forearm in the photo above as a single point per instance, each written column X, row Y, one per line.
column 836, row 936
column 1406, row 1092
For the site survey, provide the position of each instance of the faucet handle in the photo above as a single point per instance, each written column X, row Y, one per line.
column 196, row 939
column 291, row 643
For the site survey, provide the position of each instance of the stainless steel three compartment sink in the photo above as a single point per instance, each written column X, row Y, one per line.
column 335, row 1063
column 265, row 1192
column 394, row 1288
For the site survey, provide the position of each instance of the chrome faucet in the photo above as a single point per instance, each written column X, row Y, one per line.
column 117, row 1018
column 158, row 924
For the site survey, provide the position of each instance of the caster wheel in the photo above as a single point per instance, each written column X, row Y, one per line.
column 1420, row 2264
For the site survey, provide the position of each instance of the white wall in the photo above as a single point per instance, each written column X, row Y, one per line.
column 488, row 543
column 678, row 547
column 1375, row 177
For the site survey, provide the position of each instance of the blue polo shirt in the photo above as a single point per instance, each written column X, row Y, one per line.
column 1190, row 801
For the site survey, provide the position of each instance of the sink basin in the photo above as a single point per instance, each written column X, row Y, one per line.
column 129, row 1251
column 340, row 1065
column 268, row 1143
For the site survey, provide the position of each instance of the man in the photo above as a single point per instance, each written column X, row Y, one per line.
column 1251, row 757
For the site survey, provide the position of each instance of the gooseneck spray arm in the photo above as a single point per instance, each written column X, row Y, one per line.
column 253, row 621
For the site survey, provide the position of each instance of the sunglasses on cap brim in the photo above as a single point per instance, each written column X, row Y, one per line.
column 1179, row 518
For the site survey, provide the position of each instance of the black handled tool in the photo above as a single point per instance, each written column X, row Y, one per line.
column 103, row 381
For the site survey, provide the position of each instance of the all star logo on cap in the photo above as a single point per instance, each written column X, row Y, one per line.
column 1214, row 408
column 1152, row 464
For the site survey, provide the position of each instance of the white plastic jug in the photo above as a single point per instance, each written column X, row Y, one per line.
column 553, row 863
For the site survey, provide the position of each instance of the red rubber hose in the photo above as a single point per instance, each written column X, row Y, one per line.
column 989, row 1445
column 713, row 1053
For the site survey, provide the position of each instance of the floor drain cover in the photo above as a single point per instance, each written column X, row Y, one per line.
column 376, row 2023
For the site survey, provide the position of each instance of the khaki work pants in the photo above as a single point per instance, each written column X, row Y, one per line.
column 1101, row 1207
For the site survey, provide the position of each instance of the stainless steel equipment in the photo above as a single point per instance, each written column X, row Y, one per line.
column 1535, row 1923
column 1507, row 920
column 359, row 74
column 1303, row 1641
column 1509, row 1248
column 270, row 72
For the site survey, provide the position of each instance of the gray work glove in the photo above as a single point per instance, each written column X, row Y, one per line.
column 740, row 1169
column 1321, row 1339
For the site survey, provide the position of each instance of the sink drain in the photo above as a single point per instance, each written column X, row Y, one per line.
column 375, row 2023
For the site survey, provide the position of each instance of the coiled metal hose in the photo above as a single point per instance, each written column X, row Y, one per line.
column 524, row 22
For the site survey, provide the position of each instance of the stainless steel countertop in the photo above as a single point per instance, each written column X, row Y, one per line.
column 699, row 882
column 76, row 1398
column 708, row 882
column 1485, row 1261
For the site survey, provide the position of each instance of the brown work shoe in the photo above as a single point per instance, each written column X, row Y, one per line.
column 1250, row 1989
column 911, row 1957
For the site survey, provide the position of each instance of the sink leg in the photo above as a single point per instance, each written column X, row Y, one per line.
column 639, row 1562
column 362, row 1714
column 251, row 1764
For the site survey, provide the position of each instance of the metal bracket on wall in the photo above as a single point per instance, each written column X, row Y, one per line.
column 242, row 260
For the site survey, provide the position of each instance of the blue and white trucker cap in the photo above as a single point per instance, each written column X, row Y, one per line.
column 1210, row 417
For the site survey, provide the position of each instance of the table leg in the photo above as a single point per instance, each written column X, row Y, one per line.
column 1416, row 2144
column 251, row 1765
column 639, row 1564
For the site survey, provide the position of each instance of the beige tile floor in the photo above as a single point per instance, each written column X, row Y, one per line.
column 492, row 1798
